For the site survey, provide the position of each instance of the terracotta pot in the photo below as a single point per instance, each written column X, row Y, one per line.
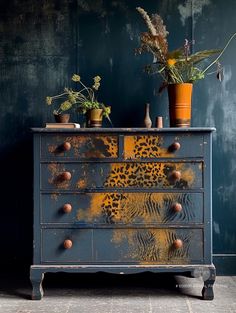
column 180, row 99
column 94, row 118
column 62, row 118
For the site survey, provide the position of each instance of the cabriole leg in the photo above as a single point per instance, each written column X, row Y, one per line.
column 36, row 278
column 209, row 279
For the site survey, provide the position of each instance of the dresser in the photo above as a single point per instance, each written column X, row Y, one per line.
column 123, row 200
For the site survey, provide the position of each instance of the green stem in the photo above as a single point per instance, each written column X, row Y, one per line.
column 176, row 76
column 58, row 96
column 230, row 39
column 87, row 89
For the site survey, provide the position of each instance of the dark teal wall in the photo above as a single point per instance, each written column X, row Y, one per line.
column 42, row 43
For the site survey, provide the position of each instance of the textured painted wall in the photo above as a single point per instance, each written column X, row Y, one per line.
column 42, row 43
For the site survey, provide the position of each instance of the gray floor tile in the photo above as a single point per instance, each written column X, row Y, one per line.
column 131, row 298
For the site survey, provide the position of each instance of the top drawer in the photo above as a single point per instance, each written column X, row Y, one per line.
column 133, row 146
column 162, row 146
column 96, row 146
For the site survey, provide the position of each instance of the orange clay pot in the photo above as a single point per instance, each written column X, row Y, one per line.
column 180, row 99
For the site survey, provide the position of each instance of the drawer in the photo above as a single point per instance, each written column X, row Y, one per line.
column 122, row 208
column 53, row 250
column 79, row 146
column 157, row 246
column 164, row 175
column 163, row 146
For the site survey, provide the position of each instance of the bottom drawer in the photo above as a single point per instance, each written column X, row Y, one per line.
column 53, row 249
column 154, row 246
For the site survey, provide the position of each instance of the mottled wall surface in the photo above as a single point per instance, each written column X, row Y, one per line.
column 42, row 43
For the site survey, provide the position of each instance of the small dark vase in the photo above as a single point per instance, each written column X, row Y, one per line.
column 147, row 119
column 62, row 118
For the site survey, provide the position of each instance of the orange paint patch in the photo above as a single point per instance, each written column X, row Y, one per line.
column 148, row 246
column 94, row 146
column 128, row 208
column 95, row 208
column 187, row 173
column 54, row 196
column 55, row 171
column 81, row 183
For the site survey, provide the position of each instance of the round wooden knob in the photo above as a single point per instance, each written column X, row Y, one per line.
column 175, row 146
column 177, row 207
column 67, row 244
column 178, row 244
column 176, row 175
column 65, row 176
column 66, row 146
column 67, row 208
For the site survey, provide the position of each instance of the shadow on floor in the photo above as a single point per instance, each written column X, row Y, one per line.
column 98, row 285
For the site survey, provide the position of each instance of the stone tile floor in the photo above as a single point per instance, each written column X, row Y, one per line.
column 104, row 293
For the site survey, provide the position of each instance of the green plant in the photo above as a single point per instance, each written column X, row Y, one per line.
column 178, row 66
column 82, row 100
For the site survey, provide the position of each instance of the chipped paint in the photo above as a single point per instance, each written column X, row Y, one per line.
column 81, row 183
column 54, row 196
column 188, row 174
column 216, row 228
column 222, row 100
column 130, row 31
column 130, row 175
column 55, row 171
column 111, row 63
column 192, row 8
column 85, row 146
column 94, row 146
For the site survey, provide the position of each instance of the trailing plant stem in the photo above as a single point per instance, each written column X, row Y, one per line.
column 230, row 39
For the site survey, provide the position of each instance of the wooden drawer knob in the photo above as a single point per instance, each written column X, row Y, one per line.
column 177, row 207
column 65, row 176
column 67, row 244
column 176, row 175
column 175, row 146
column 178, row 244
column 67, row 208
column 66, row 146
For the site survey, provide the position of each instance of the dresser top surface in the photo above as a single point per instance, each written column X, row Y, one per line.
column 124, row 130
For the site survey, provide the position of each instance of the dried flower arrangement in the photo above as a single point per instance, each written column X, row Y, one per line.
column 82, row 100
column 178, row 66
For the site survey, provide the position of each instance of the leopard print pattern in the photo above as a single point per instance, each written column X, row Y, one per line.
column 124, row 208
column 111, row 145
column 136, row 147
column 144, row 175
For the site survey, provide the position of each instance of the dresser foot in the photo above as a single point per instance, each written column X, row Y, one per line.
column 36, row 278
column 209, row 279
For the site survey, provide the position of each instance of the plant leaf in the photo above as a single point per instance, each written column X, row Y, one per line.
column 176, row 54
column 201, row 55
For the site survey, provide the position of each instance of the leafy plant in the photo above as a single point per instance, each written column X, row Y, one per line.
column 178, row 66
column 82, row 100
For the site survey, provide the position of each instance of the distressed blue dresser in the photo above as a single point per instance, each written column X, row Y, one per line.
column 123, row 201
